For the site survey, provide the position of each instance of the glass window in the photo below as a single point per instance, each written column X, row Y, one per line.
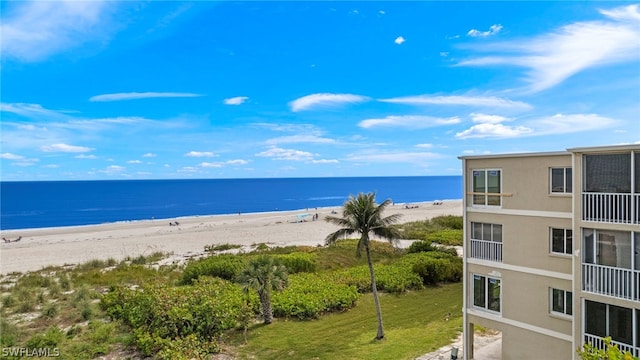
column 478, row 291
column 484, row 183
column 561, row 179
column 620, row 324
column 497, row 233
column 595, row 318
column 493, row 294
column 493, row 186
column 561, row 241
column 476, row 229
column 561, row 301
column 479, row 186
column 608, row 173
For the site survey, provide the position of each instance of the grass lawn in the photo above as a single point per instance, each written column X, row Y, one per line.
column 415, row 323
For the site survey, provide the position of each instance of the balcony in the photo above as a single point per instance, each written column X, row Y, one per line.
column 599, row 343
column 486, row 250
column 612, row 281
column 616, row 208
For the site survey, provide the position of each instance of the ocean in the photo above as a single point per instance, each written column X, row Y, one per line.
column 38, row 204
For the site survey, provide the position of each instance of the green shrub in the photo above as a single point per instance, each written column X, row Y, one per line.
column 435, row 266
column 223, row 266
column 221, row 247
column 309, row 295
column 427, row 246
column 50, row 339
column 297, row 262
column 446, row 237
column 448, row 222
column 392, row 278
column 50, row 310
column 9, row 333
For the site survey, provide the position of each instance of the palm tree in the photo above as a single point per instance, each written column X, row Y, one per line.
column 264, row 275
column 361, row 214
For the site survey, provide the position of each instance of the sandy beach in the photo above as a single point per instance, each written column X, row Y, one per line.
column 39, row 248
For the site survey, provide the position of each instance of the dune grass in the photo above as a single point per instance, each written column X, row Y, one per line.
column 415, row 323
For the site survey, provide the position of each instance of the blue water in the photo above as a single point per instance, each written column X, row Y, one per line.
column 66, row 203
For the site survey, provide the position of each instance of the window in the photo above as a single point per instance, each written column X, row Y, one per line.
column 487, row 232
column 561, row 180
column 561, row 241
column 485, row 183
column 608, row 173
column 609, row 320
column 486, row 292
column 608, row 248
column 561, row 302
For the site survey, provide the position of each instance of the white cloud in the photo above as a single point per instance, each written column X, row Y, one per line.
column 492, row 130
column 394, row 157
column 482, row 101
column 277, row 153
column 493, row 30
column 238, row 100
column 134, row 162
column 199, row 154
column 325, row 161
column 489, row 126
column 223, row 163
column 408, row 121
column 295, row 139
column 34, row 30
column 85, row 156
column 399, row 40
column 324, row 100
column 552, row 58
column 10, row 156
column 149, row 155
column 424, row 146
column 31, row 110
column 139, row 95
column 65, row 148
column 114, row 169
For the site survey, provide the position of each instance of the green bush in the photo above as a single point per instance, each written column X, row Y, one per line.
column 446, row 237
column 223, row 266
column 448, row 222
column 297, row 262
column 160, row 313
column 435, row 266
column 392, row 278
column 310, row 295
column 427, row 246
column 49, row 339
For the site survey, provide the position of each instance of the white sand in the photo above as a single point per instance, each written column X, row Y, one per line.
column 39, row 248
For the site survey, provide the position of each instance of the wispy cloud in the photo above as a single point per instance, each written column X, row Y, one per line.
column 34, row 30
column 493, row 30
column 491, row 126
column 10, row 156
column 556, row 56
column 238, row 100
column 394, row 157
column 65, row 148
column 140, row 95
column 220, row 164
column 114, row 170
column 134, row 162
column 85, row 156
column 149, row 155
column 408, row 121
column 325, row 100
column 296, row 139
column 465, row 100
column 32, row 110
column 199, row 154
column 399, row 40
column 277, row 153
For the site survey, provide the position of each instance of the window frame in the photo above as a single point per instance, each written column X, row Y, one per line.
column 564, row 242
column 567, row 311
column 485, row 193
column 492, row 231
column 487, row 301
column 567, row 186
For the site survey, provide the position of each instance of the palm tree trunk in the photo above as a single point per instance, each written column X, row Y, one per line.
column 374, row 289
column 267, row 310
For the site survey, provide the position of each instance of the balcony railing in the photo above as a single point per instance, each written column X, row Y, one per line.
column 599, row 343
column 612, row 281
column 486, row 250
column 611, row 208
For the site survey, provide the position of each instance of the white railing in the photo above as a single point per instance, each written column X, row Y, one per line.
column 486, row 250
column 599, row 343
column 612, row 281
column 611, row 208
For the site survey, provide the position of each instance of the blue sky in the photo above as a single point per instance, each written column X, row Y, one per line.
column 148, row 90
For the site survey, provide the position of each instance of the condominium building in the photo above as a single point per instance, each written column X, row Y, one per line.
column 552, row 250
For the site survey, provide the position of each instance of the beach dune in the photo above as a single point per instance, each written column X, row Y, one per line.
column 39, row 248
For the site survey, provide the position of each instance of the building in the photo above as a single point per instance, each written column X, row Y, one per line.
column 551, row 255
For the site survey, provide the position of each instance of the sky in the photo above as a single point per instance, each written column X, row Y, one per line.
column 261, row 89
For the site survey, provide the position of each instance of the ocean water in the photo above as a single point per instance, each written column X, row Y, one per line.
column 67, row 203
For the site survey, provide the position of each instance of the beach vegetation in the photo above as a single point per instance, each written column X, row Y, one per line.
column 361, row 214
column 445, row 230
column 611, row 352
column 264, row 275
column 221, row 247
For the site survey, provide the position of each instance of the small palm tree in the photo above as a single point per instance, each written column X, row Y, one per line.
column 361, row 214
column 264, row 275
